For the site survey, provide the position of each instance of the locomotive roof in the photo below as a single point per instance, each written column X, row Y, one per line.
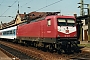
column 38, row 15
column 61, row 16
column 52, row 16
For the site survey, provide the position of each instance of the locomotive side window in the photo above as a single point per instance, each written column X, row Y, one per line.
column 49, row 22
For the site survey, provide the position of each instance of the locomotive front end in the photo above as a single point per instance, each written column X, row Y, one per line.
column 66, row 28
column 67, row 34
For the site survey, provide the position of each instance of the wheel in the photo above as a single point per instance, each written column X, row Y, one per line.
column 59, row 51
column 51, row 48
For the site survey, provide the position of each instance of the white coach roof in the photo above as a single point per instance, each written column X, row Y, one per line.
column 10, row 28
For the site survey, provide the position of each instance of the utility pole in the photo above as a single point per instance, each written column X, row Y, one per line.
column 81, row 10
column 18, row 8
column 89, row 23
column 81, row 13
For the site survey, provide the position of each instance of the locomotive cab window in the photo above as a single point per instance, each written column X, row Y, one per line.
column 49, row 22
column 70, row 22
column 65, row 22
column 61, row 22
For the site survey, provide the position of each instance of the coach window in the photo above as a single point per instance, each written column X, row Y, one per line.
column 11, row 32
column 49, row 22
column 14, row 31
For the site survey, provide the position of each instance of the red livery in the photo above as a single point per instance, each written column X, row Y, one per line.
column 51, row 32
column 49, row 28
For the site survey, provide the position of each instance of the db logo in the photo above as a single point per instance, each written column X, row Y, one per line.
column 67, row 31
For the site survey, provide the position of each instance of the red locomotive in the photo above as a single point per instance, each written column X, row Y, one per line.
column 52, row 32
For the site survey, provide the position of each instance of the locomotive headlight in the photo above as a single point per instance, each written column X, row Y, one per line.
column 58, row 36
column 59, row 28
column 75, row 35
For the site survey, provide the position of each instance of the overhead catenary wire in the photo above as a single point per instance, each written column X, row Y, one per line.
column 1, row 2
column 8, row 8
column 49, row 5
column 23, row 5
column 7, row 16
column 30, row 1
column 42, row 7
column 26, row 3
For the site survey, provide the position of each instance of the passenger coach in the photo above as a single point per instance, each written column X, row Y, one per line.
column 8, row 33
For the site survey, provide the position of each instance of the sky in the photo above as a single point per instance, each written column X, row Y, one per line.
column 10, row 7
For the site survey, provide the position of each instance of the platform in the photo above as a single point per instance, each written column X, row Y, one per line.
column 4, row 56
column 84, row 42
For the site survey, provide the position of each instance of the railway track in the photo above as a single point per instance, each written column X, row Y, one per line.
column 14, row 54
column 40, row 55
column 9, row 54
column 80, row 56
